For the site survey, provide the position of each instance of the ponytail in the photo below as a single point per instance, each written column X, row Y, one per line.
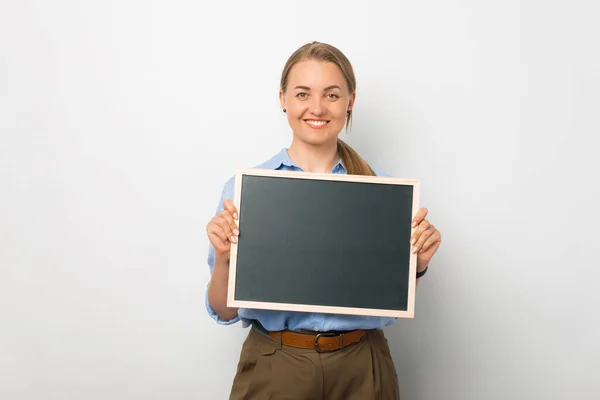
column 353, row 163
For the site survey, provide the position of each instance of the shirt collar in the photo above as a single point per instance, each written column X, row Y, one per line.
column 279, row 159
column 282, row 158
column 339, row 166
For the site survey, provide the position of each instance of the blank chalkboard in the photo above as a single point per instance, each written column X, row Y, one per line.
column 325, row 243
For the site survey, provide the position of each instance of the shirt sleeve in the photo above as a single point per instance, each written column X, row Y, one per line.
column 379, row 172
column 227, row 193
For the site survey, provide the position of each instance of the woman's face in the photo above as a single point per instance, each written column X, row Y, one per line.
column 317, row 101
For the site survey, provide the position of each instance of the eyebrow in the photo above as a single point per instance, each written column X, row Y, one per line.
column 326, row 89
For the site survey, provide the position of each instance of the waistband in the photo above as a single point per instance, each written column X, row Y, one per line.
column 319, row 341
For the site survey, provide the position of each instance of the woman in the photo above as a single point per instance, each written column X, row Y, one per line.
column 278, row 358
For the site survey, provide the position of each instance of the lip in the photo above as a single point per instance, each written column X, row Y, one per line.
column 320, row 126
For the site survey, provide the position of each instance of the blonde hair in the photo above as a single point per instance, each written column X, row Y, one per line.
column 354, row 163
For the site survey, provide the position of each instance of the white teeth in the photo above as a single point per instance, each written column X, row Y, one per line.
column 316, row 123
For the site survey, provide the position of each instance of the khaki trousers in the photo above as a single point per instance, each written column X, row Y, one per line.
column 269, row 370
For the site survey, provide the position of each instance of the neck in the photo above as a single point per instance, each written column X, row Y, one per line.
column 310, row 158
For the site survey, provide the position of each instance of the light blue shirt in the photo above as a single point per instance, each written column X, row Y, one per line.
column 281, row 320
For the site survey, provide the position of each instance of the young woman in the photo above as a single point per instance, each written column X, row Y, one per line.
column 279, row 359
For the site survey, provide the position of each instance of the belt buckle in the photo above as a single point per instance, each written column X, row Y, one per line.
column 327, row 334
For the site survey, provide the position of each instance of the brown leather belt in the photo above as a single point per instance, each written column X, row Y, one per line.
column 321, row 342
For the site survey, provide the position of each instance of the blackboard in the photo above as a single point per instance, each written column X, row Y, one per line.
column 328, row 243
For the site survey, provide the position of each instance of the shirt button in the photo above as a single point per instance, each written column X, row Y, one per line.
column 316, row 328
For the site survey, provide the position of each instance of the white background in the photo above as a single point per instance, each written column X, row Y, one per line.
column 120, row 121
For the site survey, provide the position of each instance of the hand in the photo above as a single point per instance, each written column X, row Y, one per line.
column 222, row 229
column 425, row 240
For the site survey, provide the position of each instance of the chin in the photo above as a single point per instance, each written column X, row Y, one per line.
column 315, row 140
column 317, row 137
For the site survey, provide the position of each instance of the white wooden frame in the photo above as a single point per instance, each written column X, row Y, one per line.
column 232, row 302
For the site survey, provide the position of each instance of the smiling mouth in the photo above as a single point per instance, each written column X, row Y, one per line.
column 316, row 123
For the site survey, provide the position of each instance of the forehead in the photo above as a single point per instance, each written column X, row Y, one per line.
column 315, row 74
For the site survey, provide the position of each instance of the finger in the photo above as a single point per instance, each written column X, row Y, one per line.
column 423, row 226
column 232, row 225
column 423, row 238
column 419, row 216
column 215, row 230
column 221, row 220
column 229, row 206
column 433, row 242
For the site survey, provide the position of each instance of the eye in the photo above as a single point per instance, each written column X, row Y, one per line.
column 333, row 96
column 302, row 95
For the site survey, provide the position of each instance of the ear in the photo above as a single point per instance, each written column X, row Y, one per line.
column 351, row 102
column 282, row 99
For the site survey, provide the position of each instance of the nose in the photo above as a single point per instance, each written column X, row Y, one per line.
column 316, row 106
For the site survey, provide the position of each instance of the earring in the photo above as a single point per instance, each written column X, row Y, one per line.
column 284, row 110
column 348, row 113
